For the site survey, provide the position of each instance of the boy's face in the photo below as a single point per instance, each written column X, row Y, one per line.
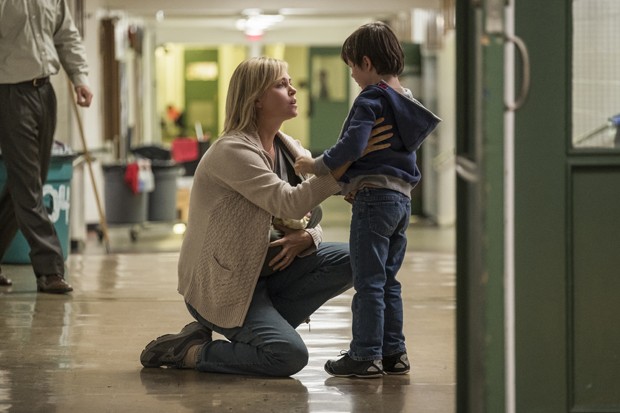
column 363, row 74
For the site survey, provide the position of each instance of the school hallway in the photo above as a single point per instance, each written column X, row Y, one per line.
column 80, row 352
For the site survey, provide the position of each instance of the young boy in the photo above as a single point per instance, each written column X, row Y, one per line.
column 379, row 187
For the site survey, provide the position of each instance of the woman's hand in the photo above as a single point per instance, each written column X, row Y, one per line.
column 377, row 135
column 293, row 243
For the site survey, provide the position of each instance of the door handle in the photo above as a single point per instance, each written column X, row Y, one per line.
column 467, row 169
column 525, row 83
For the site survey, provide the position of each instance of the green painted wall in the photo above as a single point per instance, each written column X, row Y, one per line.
column 329, row 96
column 201, row 90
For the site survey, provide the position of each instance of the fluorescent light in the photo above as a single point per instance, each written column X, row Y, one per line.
column 256, row 23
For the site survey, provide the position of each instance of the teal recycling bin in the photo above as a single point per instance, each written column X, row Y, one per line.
column 56, row 197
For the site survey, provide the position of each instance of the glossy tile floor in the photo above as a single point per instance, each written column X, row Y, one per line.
column 79, row 352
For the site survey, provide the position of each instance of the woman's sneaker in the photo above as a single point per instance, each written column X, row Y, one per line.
column 170, row 349
column 347, row 367
column 396, row 364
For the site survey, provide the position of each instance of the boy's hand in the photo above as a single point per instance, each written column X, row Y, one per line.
column 304, row 165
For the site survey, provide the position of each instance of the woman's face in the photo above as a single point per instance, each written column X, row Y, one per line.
column 278, row 102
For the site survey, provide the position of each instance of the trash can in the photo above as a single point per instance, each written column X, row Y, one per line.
column 56, row 197
column 162, row 203
column 153, row 152
column 122, row 206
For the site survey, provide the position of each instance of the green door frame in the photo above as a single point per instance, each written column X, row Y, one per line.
column 540, row 211
column 480, row 215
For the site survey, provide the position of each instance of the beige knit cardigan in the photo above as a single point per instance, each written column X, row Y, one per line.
column 234, row 195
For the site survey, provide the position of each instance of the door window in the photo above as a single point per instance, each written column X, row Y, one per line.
column 596, row 74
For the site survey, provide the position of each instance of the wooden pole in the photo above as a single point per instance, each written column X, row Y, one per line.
column 102, row 219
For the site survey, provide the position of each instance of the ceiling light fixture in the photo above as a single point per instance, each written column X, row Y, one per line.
column 255, row 23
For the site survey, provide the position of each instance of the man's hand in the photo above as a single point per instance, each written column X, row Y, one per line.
column 84, row 95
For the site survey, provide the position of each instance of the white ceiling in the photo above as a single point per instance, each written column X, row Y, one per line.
column 306, row 21
column 228, row 8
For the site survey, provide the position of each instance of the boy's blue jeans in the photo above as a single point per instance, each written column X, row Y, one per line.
column 378, row 242
column 267, row 343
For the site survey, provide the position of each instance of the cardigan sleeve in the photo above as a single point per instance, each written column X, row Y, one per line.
column 244, row 168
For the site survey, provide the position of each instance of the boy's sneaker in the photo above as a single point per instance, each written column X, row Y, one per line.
column 347, row 367
column 396, row 364
column 170, row 349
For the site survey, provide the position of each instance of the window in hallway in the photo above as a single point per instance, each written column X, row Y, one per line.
column 596, row 74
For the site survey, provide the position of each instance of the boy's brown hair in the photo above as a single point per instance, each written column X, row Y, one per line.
column 379, row 43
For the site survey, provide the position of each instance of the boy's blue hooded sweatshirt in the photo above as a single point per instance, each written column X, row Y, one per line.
column 411, row 124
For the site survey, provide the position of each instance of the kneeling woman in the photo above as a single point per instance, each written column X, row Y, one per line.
column 236, row 279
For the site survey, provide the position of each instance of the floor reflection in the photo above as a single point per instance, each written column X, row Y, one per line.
column 79, row 353
column 199, row 392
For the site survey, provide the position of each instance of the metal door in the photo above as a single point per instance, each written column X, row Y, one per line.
column 538, row 224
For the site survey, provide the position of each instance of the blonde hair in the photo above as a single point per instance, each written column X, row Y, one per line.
column 249, row 81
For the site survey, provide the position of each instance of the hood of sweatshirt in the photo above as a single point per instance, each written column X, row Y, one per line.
column 413, row 121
